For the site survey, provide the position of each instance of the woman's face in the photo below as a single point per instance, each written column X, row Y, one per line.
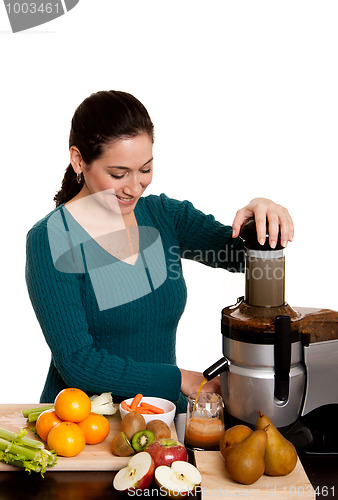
column 120, row 176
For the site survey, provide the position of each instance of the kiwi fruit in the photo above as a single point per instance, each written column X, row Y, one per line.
column 121, row 445
column 159, row 428
column 133, row 422
column 141, row 440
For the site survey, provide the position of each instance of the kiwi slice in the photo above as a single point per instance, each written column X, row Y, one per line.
column 121, row 445
column 141, row 440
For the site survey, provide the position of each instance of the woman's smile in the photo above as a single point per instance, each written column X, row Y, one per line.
column 124, row 200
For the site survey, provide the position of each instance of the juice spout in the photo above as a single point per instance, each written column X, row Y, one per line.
column 220, row 366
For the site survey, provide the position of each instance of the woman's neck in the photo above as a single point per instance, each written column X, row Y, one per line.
column 96, row 218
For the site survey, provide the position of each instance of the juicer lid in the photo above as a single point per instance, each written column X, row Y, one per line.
column 256, row 325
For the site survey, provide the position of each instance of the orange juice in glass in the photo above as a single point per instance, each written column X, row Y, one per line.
column 205, row 421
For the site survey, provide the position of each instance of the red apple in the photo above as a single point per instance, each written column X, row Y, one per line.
column 137, row 475
column 165, row 451
column 179, row 480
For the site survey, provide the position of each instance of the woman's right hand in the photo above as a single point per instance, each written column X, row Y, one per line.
column 192, row 380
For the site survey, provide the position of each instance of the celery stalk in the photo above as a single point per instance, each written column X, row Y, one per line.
column 39, row 409
column 33, row 416
column 27, row 453
column 21, row 438
column 11, row 447
column 11, row 459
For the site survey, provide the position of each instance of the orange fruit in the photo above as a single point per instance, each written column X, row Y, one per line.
column 66, row 439
column 95, row 427
column 45, row 422
column 72, row 405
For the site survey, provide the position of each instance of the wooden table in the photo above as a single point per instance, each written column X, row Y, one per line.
column 322, row 471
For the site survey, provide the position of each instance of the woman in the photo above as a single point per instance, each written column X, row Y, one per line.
column 104, row 268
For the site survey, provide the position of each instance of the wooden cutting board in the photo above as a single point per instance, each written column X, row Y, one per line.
column 217, row 484
column 93, row 457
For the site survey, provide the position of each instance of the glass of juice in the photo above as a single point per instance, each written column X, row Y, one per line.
column 205, row 421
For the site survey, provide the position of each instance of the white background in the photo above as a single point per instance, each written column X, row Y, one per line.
column 244, row 99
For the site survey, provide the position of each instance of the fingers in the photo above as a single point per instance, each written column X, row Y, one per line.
column 273, row 229
column 241, row 216
column 260, row 214
column 287, row 228
column 279, row 221
column 236, row 225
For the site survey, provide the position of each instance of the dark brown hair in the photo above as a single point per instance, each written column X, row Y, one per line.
column 100, row 119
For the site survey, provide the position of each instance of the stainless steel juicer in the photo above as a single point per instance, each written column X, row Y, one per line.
column 276, row 359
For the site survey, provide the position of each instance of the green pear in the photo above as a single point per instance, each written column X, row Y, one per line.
column 244, row 461
column 280, row 455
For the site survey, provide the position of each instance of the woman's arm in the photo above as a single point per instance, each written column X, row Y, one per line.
column 206, row 240
column 201, row 237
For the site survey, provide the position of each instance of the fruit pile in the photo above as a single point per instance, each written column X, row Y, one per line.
column 156, row 457
column 249, row 454
column 71, row 424
column 135, row 434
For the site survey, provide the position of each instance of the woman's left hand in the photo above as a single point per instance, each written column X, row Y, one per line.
column 263, row 209
column 191, row 382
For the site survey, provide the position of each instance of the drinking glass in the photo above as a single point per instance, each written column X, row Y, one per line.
column 205, row 421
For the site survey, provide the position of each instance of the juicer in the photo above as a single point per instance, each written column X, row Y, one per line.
column 279, row 360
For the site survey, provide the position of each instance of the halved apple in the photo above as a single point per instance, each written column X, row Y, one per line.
column 137, row 475
column 177, row 480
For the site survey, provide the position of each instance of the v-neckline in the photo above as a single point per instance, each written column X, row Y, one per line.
column 102, row 248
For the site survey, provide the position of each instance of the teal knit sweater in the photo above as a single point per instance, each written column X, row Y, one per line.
column 111, row 326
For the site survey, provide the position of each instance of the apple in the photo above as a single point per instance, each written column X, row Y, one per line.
column 178, row 480
column 138, row 474
column 165, row 451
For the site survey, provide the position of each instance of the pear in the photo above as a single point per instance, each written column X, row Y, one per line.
column 232, row 436
column 244, row 461
column 280, row 454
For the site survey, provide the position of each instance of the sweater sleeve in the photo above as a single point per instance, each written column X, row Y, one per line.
column 202, row 238
column 57, row 302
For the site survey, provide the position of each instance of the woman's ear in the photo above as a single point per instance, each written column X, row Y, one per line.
column 76, row 159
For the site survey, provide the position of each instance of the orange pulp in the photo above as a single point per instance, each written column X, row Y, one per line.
column 204, row 432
